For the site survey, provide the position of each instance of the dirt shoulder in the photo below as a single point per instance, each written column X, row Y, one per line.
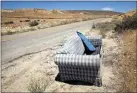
column 17, row 74
column 127, row 67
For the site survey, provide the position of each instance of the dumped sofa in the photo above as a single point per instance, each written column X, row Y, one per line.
column 75, row 63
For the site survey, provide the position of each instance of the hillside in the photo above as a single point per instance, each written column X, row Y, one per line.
column 125, row 15
column 95, row 12
column 19, row 20
column 53, row 14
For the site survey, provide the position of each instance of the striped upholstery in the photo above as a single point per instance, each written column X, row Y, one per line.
column 81, row 67
column 87, row 74
column 78, row 60
column 96, row 40
column 73, row 46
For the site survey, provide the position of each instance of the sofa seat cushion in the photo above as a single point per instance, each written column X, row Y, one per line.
column 88, row 45
column 73, row 46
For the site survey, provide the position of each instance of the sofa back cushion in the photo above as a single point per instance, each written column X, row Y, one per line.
column 88, row 45
column 96, row 40
column 73, row 46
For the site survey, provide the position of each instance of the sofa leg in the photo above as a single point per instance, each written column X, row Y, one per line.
column 98, row 82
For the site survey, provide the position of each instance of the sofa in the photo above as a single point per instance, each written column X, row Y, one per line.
column 75, row 64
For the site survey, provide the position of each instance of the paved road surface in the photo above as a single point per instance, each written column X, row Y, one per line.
column 14, row 46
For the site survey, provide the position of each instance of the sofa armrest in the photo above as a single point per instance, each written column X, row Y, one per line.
column 96, row 40
column 78, row 60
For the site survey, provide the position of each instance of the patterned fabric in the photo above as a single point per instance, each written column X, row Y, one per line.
column 96, row 40
column 73, row 46
column 80, row 71
column 81, row 67
column 82, row 74
column 78, row 60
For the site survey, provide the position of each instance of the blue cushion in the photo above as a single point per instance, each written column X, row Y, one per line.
column 86, row 42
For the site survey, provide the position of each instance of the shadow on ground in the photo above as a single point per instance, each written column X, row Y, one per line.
column 73, row 82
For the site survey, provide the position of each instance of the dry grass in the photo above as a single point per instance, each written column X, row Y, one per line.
column 37, row 85
column 125, row 15
column 127, row 65
column 105, row 27
column 103, row 33
column 33, row 23
column 127, row 70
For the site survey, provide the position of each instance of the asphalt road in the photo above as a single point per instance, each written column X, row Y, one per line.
column 14, row 46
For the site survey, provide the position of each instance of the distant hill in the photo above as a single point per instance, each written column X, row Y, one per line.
column 43, row 13
column 125, row 15
column 22, row 17
column 95, row 12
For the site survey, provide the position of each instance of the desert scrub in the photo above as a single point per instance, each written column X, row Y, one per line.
column 127, row 23
column 37, row 85
column 105, row 27
column 93, row 26
column 64, row 22
column 32, row 29
column 9, row 32
column 103, row 33
column 42, row 26
column 27, row 21
column 127, row 64
column 84, row 19
column 8, row 22
column 33, row 23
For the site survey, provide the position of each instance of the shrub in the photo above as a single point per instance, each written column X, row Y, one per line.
column 33, row 23
column 37, row 85
column 84, row 19
column 107, row 26
column 9, row 32
column 127, row 23
column 32, row 29
column 50, row 18
column 9, row 22
column 118, row 28
column 27, row 20
column 93, row 26
column 64, row 22
column 39, row 27
column 103, row 33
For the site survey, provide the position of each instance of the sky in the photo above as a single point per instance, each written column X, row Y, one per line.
column 118, row 6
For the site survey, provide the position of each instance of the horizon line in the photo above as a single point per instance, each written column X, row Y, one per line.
column 61, row 9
